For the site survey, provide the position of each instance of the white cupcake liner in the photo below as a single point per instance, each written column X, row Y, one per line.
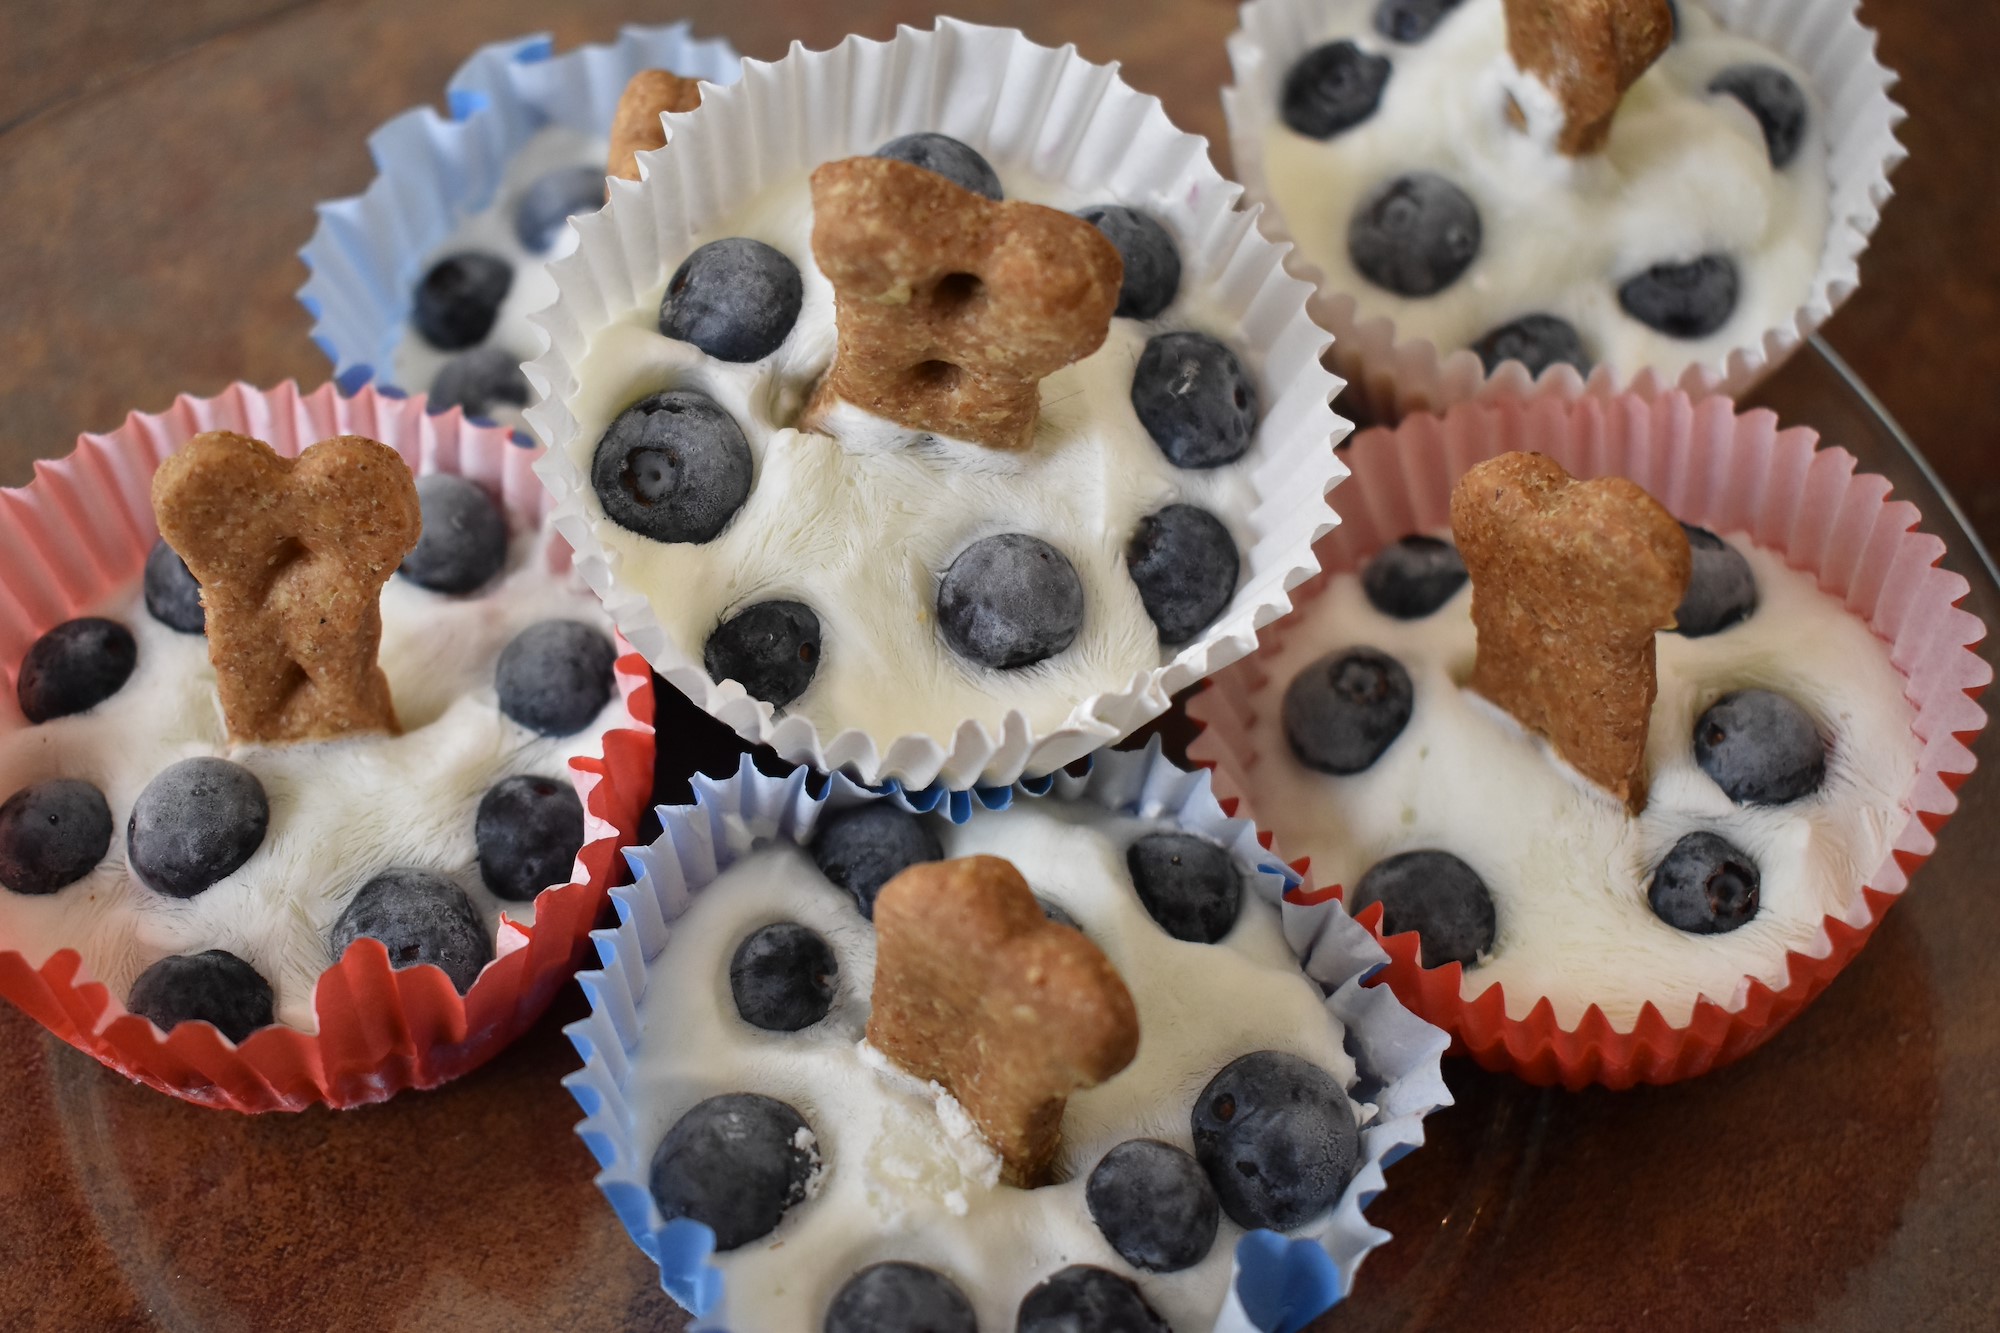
column 1392, row 376
column 1044, row 110
column 1276, row 1283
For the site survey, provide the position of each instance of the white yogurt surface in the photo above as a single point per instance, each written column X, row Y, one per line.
column 903, row 1176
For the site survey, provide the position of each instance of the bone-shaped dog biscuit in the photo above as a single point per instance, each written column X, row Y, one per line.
column 1587, row 52
column 635, row 123
column 1570, row 581
column 291, row 556
column 977, row 991
column 951, row 308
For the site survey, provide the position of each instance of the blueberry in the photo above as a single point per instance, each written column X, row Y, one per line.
column 1276, row 1136
column 1080, row 1298
column 1154, row 1204
column 674, row 467
column 172, row 595
column 528, row 831
column 1344, row 710
column 1413, row 578
column 1721, row 589
column 1537, row 342
column 734, row 1163
column 1690, row 300
column 214, row 986
column 957, row 162
column 1184, row 563
column 459, row 298
column 735, row 299
column 863, row 847
column 1414, row 235
column 1411, row 20
column 480, row 383
column 1010, row 601
column 899, row 1298
column 464, row 537
column 1778, row 103
column 197, row 822
column 1704, row 886
column 1438, row 896
column 420, row 918
column 1194, row 400
column 75, row 667
column 1190, row 886
column 52, row 834
column 1152, row 264
column 782, row 977
column 1760, row 747
column 556, row 676
column 554, row 198
column 1333, row 88
column 770, row 648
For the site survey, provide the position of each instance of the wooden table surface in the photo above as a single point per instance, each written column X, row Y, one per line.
column 158, row 166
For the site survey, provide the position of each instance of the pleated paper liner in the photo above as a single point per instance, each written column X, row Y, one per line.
column 1726, row 472
column 79, row 533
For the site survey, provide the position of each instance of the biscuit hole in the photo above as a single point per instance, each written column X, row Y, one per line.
column 940, row 376
column 955, row 291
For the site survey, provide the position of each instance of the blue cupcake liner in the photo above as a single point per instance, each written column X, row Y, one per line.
column 1278, row 1284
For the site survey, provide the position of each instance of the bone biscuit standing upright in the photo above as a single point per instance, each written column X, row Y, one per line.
column 1587, row 52
column 635, row 124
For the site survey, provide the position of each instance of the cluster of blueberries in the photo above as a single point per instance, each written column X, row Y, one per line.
column 1416, row 234
column 199, row 820
column 675, row 467
column 1274, row 1135
column 1343, row 712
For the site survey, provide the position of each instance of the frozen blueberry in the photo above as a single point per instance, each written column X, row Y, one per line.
column 420, row 918
column 172, row 595
column 1414, row 235
column 1704, row 886
column 464, row 537
column 1690, row 300
column 1411, row 20
column 554, row 198
column 459, row 298
column 1184, row 563
column 865, row 846
column 674, row 467
column 735, row 299
column 1332, row 88
column 734, row 1163
column 1344, row 710
column 1537, row 342
column 1775, row 100
column 480, row 383
column 770, row 648
column 1188, row 884
column 195, row 823
column 1760, row 747
column 957, row 162
column 555, row 676
column 1438, row 896
column 528, row 831
column 1010, row 601
column 1152, row 264
column 1082, row 1297
column 900, row 1298
column 52, row 834
column 75, row 667
column 1721, row 589
column 214, row 986
column 782, row 977
column 1194, row 400
column 1413, row 578
column 1276, row 1136
column 1154, row 1204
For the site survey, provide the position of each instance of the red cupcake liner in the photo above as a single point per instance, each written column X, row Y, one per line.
column 1725, row 471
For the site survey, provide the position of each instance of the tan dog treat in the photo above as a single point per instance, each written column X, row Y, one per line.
column 977, row 991
column 951, row 308
column 1570, row 582
column 291, row 556
column 635, row 125
column 1588, row 52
